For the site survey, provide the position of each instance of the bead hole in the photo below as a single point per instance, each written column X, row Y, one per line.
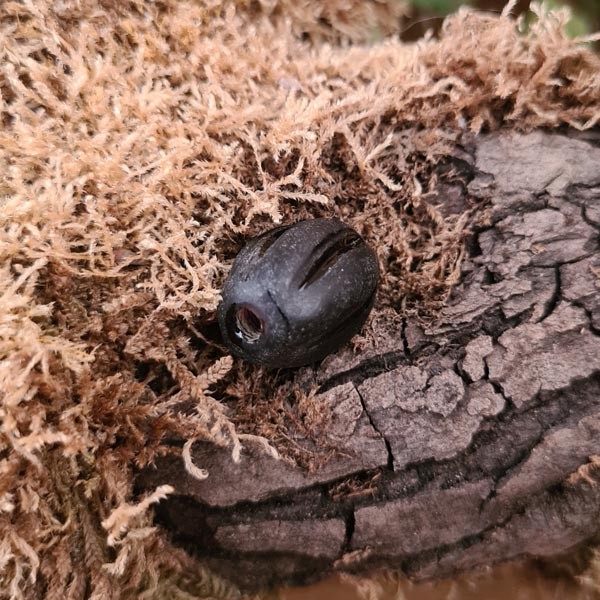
column 249, row 324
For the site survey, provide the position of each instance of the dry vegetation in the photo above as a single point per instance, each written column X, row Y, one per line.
column 140, row 144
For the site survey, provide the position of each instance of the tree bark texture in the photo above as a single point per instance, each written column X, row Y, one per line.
column 470, row 442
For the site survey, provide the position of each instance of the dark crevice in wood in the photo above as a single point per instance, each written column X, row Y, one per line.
column 350, row 521
column 500, row 390
column 527, row 206
column 491, row 277
column 472, row 243
column 494, row 323
column 390, row 462
column 495, row 384
column 461, row 373
column 520, row 457
column 590, row 317
column 587, row 219
column 403, row 336
column 369, row 368
column 560, row 263
column 554, row 299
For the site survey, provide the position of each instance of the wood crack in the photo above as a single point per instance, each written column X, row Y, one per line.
column 555, row 298
column 390, row 463
column 370, row 367
column 588, row 220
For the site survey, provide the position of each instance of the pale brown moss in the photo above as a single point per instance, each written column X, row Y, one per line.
column 140, row 145
column 273, row 407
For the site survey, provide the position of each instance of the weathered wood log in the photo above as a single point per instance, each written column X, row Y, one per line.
column 467, row 443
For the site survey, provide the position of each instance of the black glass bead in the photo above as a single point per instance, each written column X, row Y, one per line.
column 298, row 292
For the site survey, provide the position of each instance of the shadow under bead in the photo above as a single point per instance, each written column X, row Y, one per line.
column 297, row 293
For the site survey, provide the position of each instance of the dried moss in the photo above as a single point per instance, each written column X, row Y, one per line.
column 140, row 144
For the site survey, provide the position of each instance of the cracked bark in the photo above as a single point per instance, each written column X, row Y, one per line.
column 463, row 439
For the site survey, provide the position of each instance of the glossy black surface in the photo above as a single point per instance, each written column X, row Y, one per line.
column 297, row 293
